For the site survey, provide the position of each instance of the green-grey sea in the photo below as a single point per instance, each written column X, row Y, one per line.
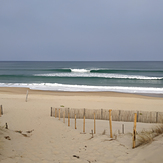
column 129, row 76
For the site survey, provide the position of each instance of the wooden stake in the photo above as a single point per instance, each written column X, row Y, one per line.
column 94, row 124
column 75, row 121
column 110, row 120
column 123, row 130
column 84, row 121
column 134, row 131
column 68, row 118
column 26, row 96
column 64, row 116
column 55, row 112
column 156, row 117
column 59, row 114
column 6, row 126
column 0, row 110
column 51, row 112
column 84, row 124
column 92, row 133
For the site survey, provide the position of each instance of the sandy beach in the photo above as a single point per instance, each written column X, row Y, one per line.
column 37, row 137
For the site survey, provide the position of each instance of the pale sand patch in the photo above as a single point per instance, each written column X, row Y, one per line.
column 51, row 140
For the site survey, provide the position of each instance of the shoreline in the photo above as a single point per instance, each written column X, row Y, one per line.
column 20, row 90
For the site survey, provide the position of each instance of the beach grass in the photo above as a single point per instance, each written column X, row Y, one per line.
column 147, row 136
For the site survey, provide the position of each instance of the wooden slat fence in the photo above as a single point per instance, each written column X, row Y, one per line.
column 117, row 115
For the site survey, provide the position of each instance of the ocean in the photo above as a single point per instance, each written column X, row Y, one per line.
column 129, row 77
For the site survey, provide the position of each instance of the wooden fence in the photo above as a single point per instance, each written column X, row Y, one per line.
column 103, row 114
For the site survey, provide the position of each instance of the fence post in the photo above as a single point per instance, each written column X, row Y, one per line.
column 137, row 116
column 134, row 130
column 51, row 112
column 84, row 122
column 55, row 112
column 6, row 126
column 101, row 114
column 26, row 96
column 59, row 114
column 68, row 118
column 92, row 133
column 64, row 116
column 110, row 120
column 0, row 110
column 119, row 115
column 123, row 131
column 75, row 121
column 156, row 117
column 94, row 123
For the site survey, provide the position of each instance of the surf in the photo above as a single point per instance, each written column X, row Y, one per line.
column 87, row 88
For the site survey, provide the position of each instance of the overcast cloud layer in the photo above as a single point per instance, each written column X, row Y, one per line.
column 74, row 30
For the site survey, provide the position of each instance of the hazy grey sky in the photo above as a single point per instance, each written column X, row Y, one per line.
column 74, row 30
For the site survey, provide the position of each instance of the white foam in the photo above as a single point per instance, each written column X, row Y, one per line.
column 102, row 75
column 73, row 88
column 80, row 70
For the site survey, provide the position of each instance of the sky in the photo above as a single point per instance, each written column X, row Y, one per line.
column 81, row 30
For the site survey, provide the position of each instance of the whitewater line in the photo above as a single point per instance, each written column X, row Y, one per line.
column 104, row 75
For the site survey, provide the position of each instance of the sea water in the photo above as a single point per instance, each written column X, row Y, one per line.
column 129, row 77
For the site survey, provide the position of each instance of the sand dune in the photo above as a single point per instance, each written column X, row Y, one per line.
column 37, row 137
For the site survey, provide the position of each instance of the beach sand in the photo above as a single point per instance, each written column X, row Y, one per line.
column 37, row 137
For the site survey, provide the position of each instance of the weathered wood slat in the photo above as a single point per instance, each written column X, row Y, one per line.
column 103, row 114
